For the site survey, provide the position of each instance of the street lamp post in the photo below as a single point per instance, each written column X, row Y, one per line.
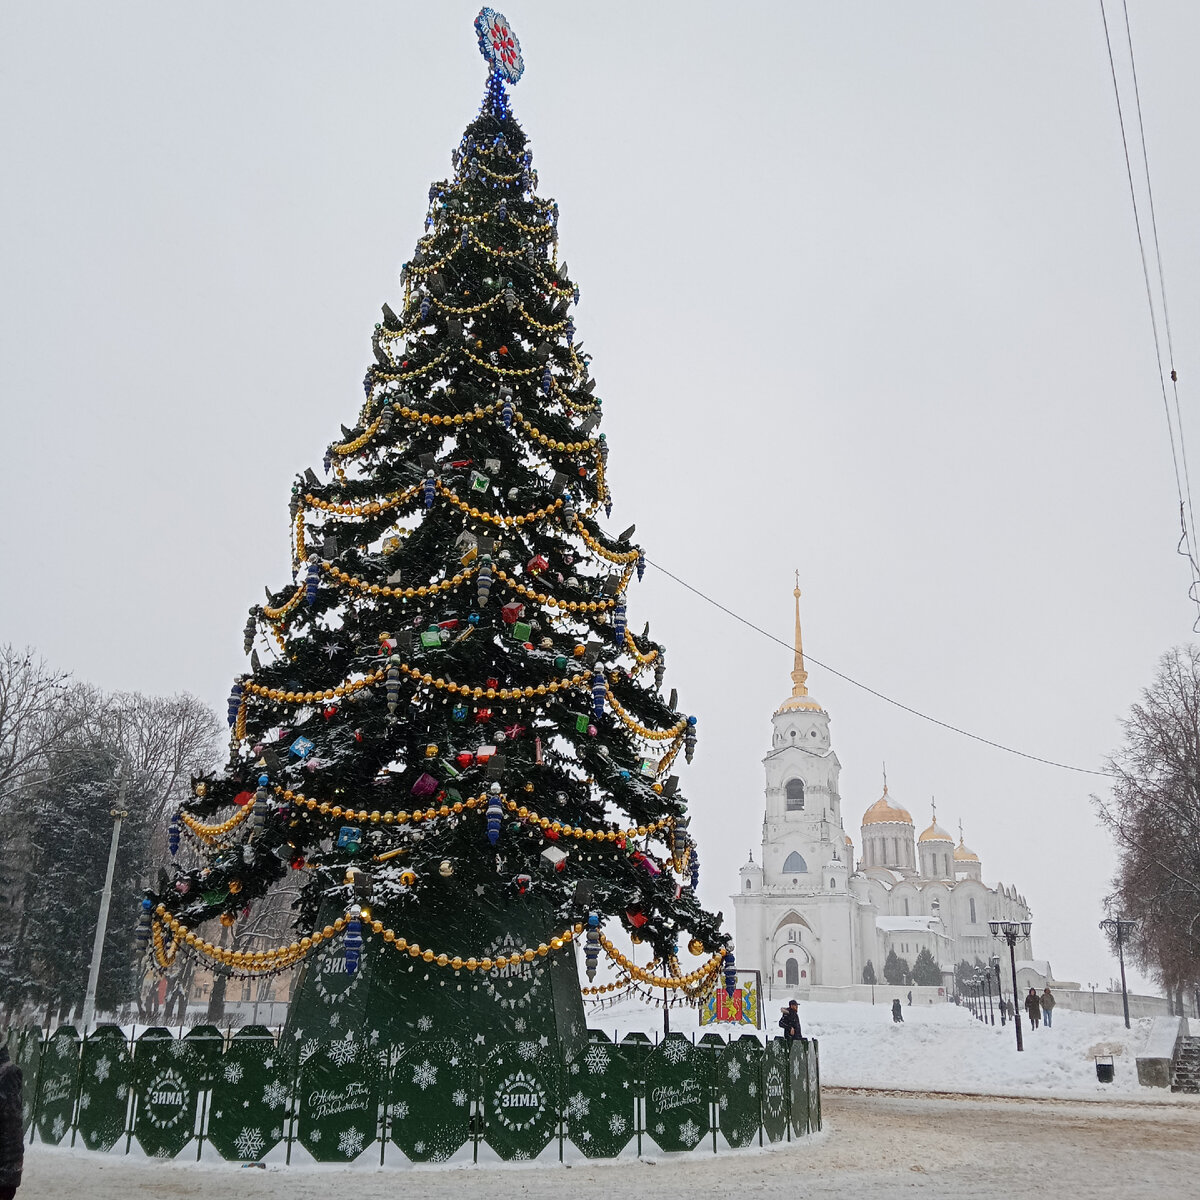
column 987, row 983
column 999, row 990
column 118, row 814
column 1093, row 987
column 1120, row 928
column 1010, row 931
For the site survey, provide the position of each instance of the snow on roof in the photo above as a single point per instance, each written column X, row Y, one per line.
column 917, row 924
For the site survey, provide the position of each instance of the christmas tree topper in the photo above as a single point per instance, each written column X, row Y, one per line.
column 499, row 45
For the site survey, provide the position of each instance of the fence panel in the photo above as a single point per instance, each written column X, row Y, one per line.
column 678, row 1087
column 169, row 1076
column 105, row 1076
column 432, row 1093
column 251, row 1100
column 775, row 1090
column 339, row 1100
column 58, row 1086
column 600, row 1099
column 520, row 1098
column 739, row 1104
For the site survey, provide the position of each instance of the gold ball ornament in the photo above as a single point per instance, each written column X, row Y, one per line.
column 408, row 878
column 696, row 947
column 227, row 919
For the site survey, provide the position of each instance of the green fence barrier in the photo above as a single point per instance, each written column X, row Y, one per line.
column 247, row 1094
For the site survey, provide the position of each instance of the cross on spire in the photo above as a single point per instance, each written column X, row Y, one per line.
column 799, row 674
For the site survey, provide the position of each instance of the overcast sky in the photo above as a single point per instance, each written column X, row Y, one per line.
column 862, row 289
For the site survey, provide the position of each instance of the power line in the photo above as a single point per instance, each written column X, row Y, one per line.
column 976, row 737
column 1187, row 542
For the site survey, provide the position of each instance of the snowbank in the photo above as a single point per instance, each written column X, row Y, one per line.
column 941, row 1048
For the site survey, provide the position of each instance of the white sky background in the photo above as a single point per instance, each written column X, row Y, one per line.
column 863, row 295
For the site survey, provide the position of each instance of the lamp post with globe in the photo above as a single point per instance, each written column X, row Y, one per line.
column 1119, row 928
column 1010, row 931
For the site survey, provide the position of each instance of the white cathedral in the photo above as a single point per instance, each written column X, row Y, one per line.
column 808, row 916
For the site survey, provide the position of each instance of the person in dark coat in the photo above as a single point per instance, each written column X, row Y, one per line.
column 897, row 1011
column 1033, row 1006
column 790, row 1021
column 12, row 1141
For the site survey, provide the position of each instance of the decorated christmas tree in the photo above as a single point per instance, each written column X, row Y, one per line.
column 449, row 730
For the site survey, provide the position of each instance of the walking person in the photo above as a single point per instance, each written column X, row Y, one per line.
column 1033, row 1007
column 897, row 1012
column 1047, row 1007
column 790, row 1021
column 12, row 1141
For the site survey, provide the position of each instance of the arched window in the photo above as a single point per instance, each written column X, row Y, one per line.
column 791, row 973
column 794, row 791
column 747, row 885
column 973, row 910
column 832, row 884
column 794, row 864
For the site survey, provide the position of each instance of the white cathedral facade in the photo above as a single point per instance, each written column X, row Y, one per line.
column 807, row 914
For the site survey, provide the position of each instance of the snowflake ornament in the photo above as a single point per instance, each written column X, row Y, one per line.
column 249, row 1144
column 350, row 1143
column 498, row 44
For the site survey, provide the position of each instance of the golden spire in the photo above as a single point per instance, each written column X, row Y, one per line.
column 799, row 674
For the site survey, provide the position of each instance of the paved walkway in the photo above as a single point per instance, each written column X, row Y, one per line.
column 875, row 1146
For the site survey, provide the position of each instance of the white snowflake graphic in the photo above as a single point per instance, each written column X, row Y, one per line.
column 314, row 1135
column 102, row 1068
column 734, row 1070
column 689, row 1132
column 425, row 1076
column 276, row 1133
column 64, row 1047
column 308, row 1050
column 425, row 1023
column 249, row 1143
column 85, row 1101
column 660, row 1128
column 401, row 1110
column 122, row 1091
column 342, row 1052
column 179, row 1049
column 597, row 1059
column 459, row 1097
column 752, row 1088
column 675, row 1050
column 723, row 1103
column 233, row 1072
column 574, row 1068
column 351, row 1142
column 578, row 1106
column 335, row 1019
column 58, row 1129
column 617, row 1123
column 275, row 1094
column 519, row 1024
column 418, row 1147
column 528, row 1050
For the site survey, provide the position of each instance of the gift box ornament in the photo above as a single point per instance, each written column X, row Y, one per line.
column 425, row 785
column 512, row 612
column 300, row 748
column 431, row 639
column 479, row 483
column 553, row 858
column 522, row 631
column 484, row 753
column 495, row 766
column 349, row 838
column 537, row 564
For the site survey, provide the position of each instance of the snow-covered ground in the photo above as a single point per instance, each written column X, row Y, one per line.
column 943, row 1048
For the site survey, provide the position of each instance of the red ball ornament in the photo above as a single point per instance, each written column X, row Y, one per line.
column 243, row 798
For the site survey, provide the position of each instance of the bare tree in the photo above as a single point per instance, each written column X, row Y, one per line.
column 1154, row 816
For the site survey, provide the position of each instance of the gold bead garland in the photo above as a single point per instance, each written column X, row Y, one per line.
column 277, row 614
column 372, row 508
column 375, row 817
column 479, row 514
column 591, row 835
column 612, row 556
column 567, row 605
column 476, row 414
column 550, row 443
column 652, row 735
column 495, row 370
column 384, row 589
column 359, row 442
column 661, row 981
column 642, row 659
column 416, row 371
column 209, row 833
column 332, row 693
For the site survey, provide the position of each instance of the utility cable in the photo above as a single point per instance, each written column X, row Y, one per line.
column 1188, row 534
column 1049, row 762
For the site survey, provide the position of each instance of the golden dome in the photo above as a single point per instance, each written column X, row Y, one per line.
column 848, row 841
column 961, row 853
column 884, row 810
column 935, row 833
